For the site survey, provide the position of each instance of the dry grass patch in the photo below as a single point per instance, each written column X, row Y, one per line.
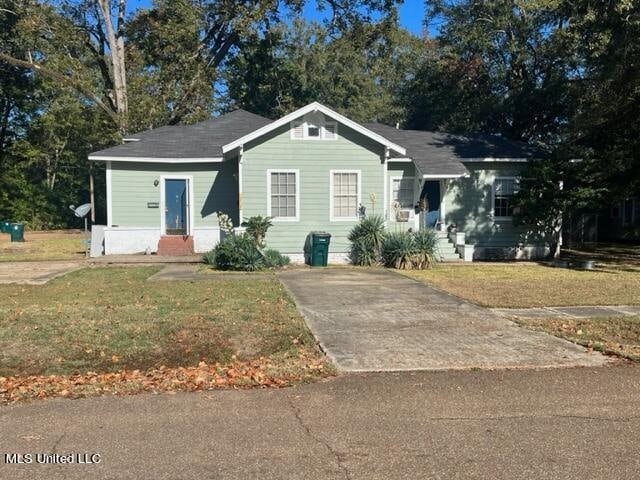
column 109, row 320
column 54, row 245
column 614, row 335
column 523, row 285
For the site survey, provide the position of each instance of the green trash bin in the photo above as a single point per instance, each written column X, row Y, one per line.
column 320, row 248
column 17, row 232
column 5, row 226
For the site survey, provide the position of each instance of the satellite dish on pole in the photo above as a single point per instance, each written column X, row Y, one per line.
column 81, row 212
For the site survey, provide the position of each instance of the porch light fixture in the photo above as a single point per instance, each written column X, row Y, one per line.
column 156, row 182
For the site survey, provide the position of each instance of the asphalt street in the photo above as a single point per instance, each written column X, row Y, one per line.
column 567, row 423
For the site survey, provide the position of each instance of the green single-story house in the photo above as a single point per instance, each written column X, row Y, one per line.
column 311, row 170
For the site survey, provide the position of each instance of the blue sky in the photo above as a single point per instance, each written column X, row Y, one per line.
column 411, row 13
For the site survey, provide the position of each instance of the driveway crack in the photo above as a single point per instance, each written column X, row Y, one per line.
column 55, row 445
column 339, row 459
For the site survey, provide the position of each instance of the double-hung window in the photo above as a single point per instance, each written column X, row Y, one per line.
column 344, row 195
column 283, row 195
column 402, row 192
column 504, row 188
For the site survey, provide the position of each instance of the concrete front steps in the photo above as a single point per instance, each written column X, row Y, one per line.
column 175, row 245
column 446, row 249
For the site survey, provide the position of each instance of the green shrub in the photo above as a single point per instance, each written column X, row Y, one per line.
column 426, row 244
column 273, row 258
column 361, row 253
column 366, row 239
column 405, row 250
column 209, row 258
column 238, row 252
column 398, row 250
column 257, row 228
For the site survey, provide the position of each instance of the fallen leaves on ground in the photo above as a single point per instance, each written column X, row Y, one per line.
column 613, row 335
column 259, row 373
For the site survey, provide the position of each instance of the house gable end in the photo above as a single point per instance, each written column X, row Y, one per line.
column 313, row 108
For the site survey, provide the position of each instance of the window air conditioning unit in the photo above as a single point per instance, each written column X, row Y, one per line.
column 403, row 215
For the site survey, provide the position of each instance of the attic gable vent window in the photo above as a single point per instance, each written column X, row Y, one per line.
column 314, row 129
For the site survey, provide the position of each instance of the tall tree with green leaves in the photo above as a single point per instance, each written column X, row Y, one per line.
column 498, row 66
column 83, row 44
column 360, row 72
column 605, row 129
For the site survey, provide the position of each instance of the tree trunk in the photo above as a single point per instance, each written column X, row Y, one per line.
column 115, row 39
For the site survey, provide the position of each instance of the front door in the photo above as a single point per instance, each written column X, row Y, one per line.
column 431, row 196
column 176, row 204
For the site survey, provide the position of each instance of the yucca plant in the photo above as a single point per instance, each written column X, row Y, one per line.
column 363, row 254
column 398, row 250
column 426, row 246
column 366, row 240
column 369, row 229
column 238, row 252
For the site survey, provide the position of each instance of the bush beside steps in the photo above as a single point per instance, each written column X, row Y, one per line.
column 372, row 244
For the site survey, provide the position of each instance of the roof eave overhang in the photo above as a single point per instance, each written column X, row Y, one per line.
column 437, row 176
column 494, row 159
column 444, row 175
column 113, row 158
column 313, row 107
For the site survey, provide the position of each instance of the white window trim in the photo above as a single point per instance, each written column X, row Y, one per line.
column 493, row 197
column 297, row 175
column 190, row 216
column 305, row 130
column 401, row 177
column 332, row 218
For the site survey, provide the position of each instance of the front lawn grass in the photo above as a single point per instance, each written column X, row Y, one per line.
column 53, row 245
column 614, row 335
column 111, row 319
column 523, row 285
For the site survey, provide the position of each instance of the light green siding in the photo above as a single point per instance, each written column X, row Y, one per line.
column 468, row 204
column 400, row 170
column 314, row 159
column 132, row 187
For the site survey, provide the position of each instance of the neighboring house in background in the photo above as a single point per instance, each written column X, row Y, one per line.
column 622, row 221
column 312, row 170
column 618, row 222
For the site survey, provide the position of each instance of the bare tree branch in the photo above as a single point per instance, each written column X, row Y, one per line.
column 64, row 79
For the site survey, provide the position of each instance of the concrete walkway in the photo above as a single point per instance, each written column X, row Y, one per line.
column 189, row 272
column 573, row 312
column 561, row 424
column 375, row 320
column 35, row 273
column 139, row 258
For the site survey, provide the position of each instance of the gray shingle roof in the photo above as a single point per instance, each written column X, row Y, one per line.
column 200, row 140
column 442, row 153
column 434, row 153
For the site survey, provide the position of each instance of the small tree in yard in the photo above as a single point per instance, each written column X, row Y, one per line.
column 549, row 190
column 257, row 228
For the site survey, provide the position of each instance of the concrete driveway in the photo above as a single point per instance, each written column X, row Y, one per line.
column 34, row 273
column 376, row 320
